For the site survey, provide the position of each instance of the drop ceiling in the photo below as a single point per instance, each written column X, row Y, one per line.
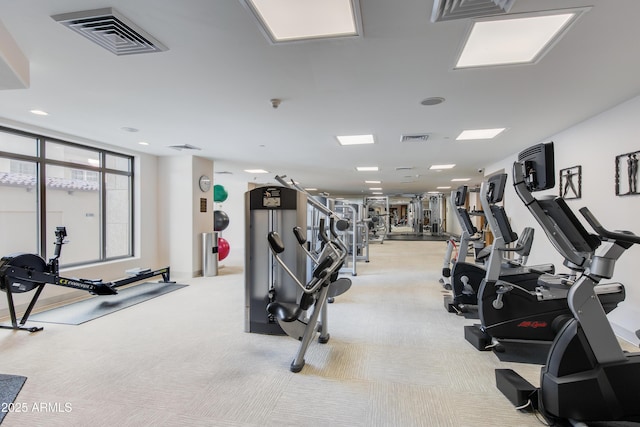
column 212, row 89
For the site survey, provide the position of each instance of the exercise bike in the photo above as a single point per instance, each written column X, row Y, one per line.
column 467, row 278
column 587, row 376
column 469, row 237
column 530, row 310
column 23, row 272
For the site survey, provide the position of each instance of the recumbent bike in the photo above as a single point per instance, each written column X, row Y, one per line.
column 587, row 376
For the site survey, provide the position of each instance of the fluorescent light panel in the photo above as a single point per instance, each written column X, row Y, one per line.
column 444, row 188
column 367, row 168
column 516, row 38
column 461, row 179
column 442, row 166
column 256, row 171
column 355, row 139
column 373, row 182
column 295, row 20
column 479, row 134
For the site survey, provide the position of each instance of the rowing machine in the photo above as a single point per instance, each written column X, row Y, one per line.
column 23, row 272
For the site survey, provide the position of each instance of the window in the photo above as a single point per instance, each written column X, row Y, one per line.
column 46, row 183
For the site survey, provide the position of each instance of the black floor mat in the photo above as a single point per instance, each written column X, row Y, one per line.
column 10, row 386
column 98, row 306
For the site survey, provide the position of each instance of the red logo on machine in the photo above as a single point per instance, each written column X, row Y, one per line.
column 532, row 324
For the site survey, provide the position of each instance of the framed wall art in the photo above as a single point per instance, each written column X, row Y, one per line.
column 627, row 174
column 571, row 182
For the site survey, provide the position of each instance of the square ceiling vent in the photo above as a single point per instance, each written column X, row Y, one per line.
column 111, row 30
column 414, row 137
column 446, row 10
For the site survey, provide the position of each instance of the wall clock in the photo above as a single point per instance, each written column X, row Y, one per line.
column 204, row 183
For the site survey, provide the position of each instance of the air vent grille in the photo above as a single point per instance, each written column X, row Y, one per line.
column 184, row 147
column 416, row 137
column 111, row 30
column 446, row 10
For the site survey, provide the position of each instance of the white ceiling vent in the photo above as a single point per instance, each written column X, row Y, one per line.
column 446, row 10
column 415, row 137
column 111, row 30
column 184, row 147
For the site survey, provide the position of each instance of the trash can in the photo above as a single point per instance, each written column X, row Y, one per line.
column 210, row 254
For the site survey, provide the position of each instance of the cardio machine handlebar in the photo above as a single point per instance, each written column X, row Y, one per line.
column 626, row 237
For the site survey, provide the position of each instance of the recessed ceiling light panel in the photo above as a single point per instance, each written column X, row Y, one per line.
column 450, row 166
column 355, row 139
column 256, row 171
column 367, row 168
column 515, row 39
column 479, row 134
column 295, row 20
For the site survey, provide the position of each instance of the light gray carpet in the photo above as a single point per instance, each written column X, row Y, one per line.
column 396, row 358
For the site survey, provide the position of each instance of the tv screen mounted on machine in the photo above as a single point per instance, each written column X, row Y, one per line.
column 497, row 183
column 539, row 166
column 461, row 195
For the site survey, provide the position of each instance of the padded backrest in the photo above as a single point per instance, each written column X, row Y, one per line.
column 466, row 221
column 503, row 223
column 568, row 224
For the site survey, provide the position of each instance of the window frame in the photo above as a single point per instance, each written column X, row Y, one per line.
column 40, row 159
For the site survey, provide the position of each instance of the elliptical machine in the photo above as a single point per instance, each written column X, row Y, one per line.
column 587, row 377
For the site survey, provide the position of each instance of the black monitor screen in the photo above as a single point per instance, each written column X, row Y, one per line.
column 461, row 195
column 539, row 166
column 496, row 187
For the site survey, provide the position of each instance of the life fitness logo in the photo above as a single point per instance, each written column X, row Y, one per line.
column 533, row 324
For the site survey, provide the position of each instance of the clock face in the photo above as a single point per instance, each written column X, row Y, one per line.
column 205, row 183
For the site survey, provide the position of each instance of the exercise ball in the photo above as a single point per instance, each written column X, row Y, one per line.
column 220, row 220
column 223, row 248
column 219, row 193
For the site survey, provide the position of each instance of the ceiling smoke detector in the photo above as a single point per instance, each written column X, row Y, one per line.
column 111, row 30
column 446, row 10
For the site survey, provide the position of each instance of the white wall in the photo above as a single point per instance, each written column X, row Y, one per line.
column 593, row 144
column 180, row 219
